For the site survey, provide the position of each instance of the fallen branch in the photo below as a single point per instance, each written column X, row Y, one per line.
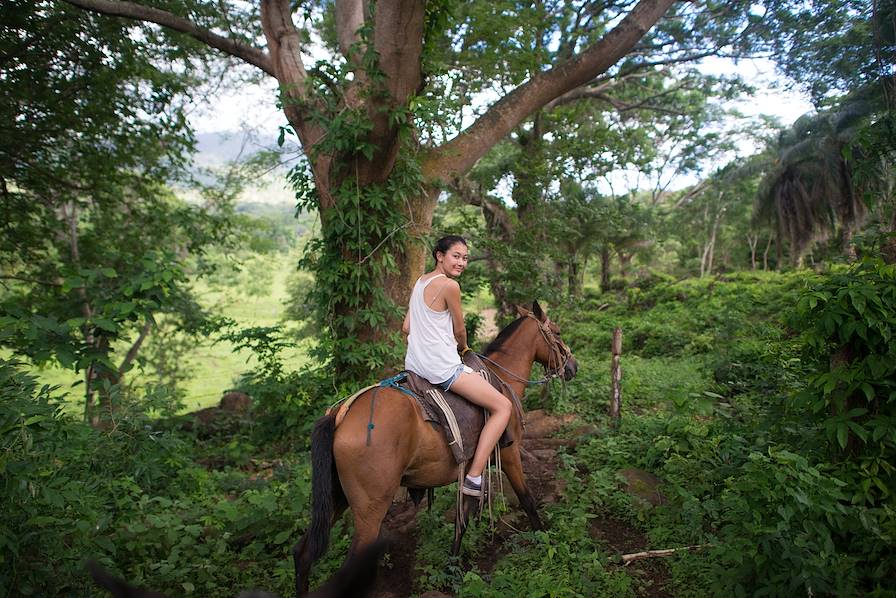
column 649, row 554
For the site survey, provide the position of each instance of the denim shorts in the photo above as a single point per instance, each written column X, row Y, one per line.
column 461, row 369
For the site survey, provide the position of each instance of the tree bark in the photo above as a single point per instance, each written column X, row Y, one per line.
column 709, row 250
column 752, row 242
column 616, row 377
column 625, row 260
column 397, row 38
column 604, row 269
column 573, row 277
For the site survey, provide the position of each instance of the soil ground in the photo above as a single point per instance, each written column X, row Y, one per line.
column 540, row 463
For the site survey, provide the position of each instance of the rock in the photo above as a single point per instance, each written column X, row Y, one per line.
column 643, row 486
column 435, row 594
column 238, row 402
column 539, row 424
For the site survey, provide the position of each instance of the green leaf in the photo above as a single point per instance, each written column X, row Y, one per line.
column 868, row 390
column 105, row 324
column 282, row 536
column 842, row 435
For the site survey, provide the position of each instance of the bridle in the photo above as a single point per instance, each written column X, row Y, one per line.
column 558, row 357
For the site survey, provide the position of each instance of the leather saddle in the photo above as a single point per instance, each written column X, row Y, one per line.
column 460, row 420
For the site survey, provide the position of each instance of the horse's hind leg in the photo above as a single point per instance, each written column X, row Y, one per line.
column 368, row 516
column 513, row 467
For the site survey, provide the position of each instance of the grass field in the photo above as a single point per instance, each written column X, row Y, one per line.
column 255, row 298
column 251, row 295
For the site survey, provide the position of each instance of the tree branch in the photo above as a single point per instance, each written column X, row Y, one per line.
column 461, row 153
column 132, row 352
column 636, row 556
column 138, row 12
column 694, row 192
column 45, row 283
column 586, row 93
column 496, row 214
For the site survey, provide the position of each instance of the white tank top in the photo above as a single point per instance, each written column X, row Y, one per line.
column 432, row 348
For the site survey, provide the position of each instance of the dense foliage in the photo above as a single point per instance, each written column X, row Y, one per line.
column 138, row 499
column 723, row 400
column 762, row 402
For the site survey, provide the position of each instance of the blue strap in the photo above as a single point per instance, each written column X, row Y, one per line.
column 370, row 425
column 395, row 382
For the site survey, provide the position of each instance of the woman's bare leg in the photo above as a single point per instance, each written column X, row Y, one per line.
column 476, row 390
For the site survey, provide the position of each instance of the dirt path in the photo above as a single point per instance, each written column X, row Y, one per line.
column 539, row 452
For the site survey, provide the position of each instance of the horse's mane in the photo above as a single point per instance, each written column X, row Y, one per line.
column 497, row 344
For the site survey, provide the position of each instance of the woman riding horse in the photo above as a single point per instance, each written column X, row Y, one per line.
column 364, row 451
column 437, row 338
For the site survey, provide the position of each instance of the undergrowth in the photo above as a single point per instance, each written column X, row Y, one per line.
column 775, row 459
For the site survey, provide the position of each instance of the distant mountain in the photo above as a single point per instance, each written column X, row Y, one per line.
column 215, row 150
column 219, row 148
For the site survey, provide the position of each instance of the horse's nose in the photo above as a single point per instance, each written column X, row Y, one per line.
column 569, row 372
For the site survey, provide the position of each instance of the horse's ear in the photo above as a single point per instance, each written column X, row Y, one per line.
column 522, row 311
column 536, row 309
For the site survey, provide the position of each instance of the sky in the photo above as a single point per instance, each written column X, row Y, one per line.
column 253, row 107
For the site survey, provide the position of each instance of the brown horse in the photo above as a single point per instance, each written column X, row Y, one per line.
column 405, row 450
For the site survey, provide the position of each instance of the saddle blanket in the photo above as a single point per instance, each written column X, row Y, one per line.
column 460, row 420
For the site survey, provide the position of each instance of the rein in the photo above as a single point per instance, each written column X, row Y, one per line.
column 558, row 348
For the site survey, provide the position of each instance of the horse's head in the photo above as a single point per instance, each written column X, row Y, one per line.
column 550, row 350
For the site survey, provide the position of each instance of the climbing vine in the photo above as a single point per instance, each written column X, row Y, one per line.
column 365, row 229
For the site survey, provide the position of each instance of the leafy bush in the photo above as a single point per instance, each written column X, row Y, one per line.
column 65, row 484
column 850, row 331
column 787, row 526
column 286, row 403
column 745, row 468
column 134, row 498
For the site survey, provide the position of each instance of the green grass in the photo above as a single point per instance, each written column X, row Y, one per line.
column 252, row 297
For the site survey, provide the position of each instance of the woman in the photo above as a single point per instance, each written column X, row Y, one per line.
column 436, row 334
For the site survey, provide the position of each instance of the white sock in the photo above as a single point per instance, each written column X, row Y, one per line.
column 476, row 479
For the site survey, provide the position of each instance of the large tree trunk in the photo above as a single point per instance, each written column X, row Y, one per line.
column 604, row 269
column 573, row 277
column 396, row 35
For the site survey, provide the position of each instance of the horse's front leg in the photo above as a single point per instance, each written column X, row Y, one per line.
column 460, row 522
column 513, row 467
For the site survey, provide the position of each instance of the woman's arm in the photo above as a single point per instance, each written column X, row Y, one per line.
column 452, row 301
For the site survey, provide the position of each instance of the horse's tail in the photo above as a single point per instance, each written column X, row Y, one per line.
column 324, row 485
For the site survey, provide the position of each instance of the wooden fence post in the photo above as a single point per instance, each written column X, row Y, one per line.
column 616, row 376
